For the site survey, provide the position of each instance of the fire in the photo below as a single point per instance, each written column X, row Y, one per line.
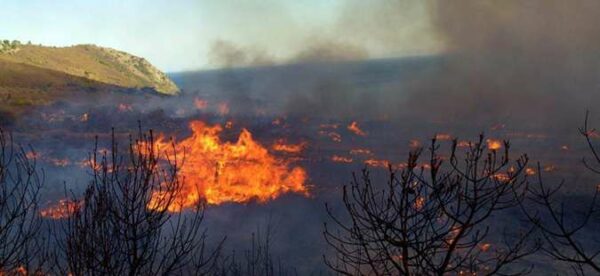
column 493, row 144
column 241, row 171
column 530, row 171
column 356, row 129
column 281, row 145
column 377, row 163
column 463, row 144
column 223, row 108
column 332, row 126
column 361, row 151
column 21, row 270
column 59, row 162
column 334, row 136
column 123, row 107
column 443, row 137
column 414, row 143
column 63, row 209
column 419, row 203
column 84, row 118
column 485, row 247
column 200, row 103
column 341, row 159
column 498, row 126
column 502, row 177
column 277, row 122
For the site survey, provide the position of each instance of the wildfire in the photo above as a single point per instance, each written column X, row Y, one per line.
column 485, row 247
column 223, row 108
column 341, row 159
column 84, row 118
column 502, row 177
column 419, row 203
column 463, row 144
column 334, row 136
column 494, row 144
column 414, row 143
column 377, row 163
column 218, row 171
column 123, row 107
column 356, row 129
column 498, row 126
column 332, row 126
column 530, row 171
column 200, row 103
column 361, row 151
column 443, row 137
column 63, row 209
column 59, row 162
column 281, row 145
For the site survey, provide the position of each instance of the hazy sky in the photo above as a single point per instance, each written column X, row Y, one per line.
column 178, row 34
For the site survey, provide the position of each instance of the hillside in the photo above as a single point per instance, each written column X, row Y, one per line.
column 95, row 63
column 35, row 75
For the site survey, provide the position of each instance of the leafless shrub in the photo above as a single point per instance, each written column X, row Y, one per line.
column 257, row 260
column 564, row 226
column 434, row 219
column 121, row 226
column 20, row 184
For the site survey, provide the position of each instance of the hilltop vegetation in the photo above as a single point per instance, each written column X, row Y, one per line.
column 36, row 75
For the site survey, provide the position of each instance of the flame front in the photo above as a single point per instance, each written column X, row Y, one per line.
column 219, row 172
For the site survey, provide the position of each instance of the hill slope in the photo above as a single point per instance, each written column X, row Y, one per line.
column 95, row 63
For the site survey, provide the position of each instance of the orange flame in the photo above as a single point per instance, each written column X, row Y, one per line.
column 281, row 145
column 377, row 163
column 61, row 210
column 530, row 171
column 84, row 118
column 200, row 103
column 414, row 143
column 360, row 151
column 59, row 162
column 218, row 172
column 223, row 108
column 493, row 144
column 341, row 159
column 463, row 144
column 443, row 137
column 356, row 129
column 123, row 107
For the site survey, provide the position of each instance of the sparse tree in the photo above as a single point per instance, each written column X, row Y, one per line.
column 20, row 184
column 565, row 226
column 124, row 225
column 433, row 219
column 256, row 260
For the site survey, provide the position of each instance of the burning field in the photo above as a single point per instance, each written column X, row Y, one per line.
column 254, row 161
column 474, row 157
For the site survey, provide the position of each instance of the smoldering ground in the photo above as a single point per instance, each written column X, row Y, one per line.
column 529, row 67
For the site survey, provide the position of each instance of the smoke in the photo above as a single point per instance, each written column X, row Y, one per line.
column 329, row 51
column 227, row 54
column 528, row 64
column 355, row 30
column 532, row 61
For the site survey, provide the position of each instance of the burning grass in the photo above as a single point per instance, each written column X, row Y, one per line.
column 219, row 171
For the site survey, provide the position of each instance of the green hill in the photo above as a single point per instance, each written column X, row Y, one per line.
column 36, row 75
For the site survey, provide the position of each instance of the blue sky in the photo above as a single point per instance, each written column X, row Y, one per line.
column 175, row 35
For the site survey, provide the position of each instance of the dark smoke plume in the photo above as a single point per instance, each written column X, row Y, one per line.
column 510, row 59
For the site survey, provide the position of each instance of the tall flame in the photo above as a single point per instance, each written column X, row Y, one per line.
column 219, row 172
